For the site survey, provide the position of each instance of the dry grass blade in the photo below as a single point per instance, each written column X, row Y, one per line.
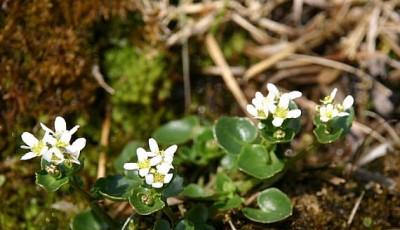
column 258, row 35
column 217, row 56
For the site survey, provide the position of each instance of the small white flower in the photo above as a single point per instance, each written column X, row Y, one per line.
column 160, row 176
column 258, row 108
column 166, row 155
column 281, row 112
column 75, row 149
column 144, row 163
column 274, row 94
column 54, row 155
column 61, row 132
column 329, row 109
column 36, row 147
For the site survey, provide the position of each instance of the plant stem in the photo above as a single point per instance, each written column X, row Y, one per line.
column 93, row 203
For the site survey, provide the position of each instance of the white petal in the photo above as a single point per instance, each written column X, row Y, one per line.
column 149, row 179
column 277, row 122
column 76, row 161
column 157, row 185
column 294, row 95
column 333, row 93
column 171, row 150
column 164, row 168
column 59, row 124
column 271, row 107
column 46, row 129
column 168, row 178
column 51, row 140
column 294, row 113
column 251, row 110
column 28, row 156
column 272, row 89
column 343, row 114
column 48, row 155
column 348, row 102
column 77, row 145
column 155, row 160
column 144, row 172
column 29, row 139
column 151, row 154
column 65, row 137
column 141, row 154
column 131, row 166
column 153, row 145
column 74, row 129
column 168, row 159
column 58, row 154
column 44, row 150
column 284, row 101
column 25, row 147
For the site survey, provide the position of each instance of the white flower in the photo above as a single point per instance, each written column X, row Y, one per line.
column 329, row 110
column 167, row 155
column 144, row 163
column 61, row 136
column 75, row 149
column 160, row 176
column 281, row 112
column 274, row 94
column 36, row 147
column 258, row 108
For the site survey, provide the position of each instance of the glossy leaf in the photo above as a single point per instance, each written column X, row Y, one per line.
column 274, row 206
column 195, row 191
column 178, row 131
column 256, row 161
column 116, row 187
column 88, row 220
column 146, row 201
column 49, row 182
column 233, row 132
column 174, row 187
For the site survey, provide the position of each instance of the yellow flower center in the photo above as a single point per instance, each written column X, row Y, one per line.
column 158, row 177
column 261, row 113
column 37, row 149
column 281, row 112
column 144, row 164
column 61, row 144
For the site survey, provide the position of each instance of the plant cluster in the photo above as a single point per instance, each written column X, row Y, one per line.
column 250, row 161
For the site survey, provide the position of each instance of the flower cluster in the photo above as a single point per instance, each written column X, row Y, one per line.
column 329, row 110
column 54, row 146
column 154, row 165
column 275, row 104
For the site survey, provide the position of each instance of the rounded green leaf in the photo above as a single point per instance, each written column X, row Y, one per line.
column 146, row 201
column 116, row 187
column 195, row 191
column 324, row 136
column 233, row 132
column 256, row 161
column 228, row 204
column 274, row 206
column 177, row 132
column 88, row 220
column 49, row 182
column 128, row 154
column 174, row 187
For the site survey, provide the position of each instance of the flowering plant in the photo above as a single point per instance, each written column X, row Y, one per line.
column 250, row 158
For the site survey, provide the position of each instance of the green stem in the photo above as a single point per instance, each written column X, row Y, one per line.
column 93, row 203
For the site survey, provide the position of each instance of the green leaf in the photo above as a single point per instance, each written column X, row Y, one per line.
column 161, row 224
column 198, row 214
column 325, row 137
column 224, row 184
column 274, row 206
column 116, row 187
column 146, row 201
column 49, row 182
column 174, row 187
column 256, row 161
column 233, row 132
column 185, row 225
column 195, row 191
column 178, row 132
column 228, row 204
column 88, row 220
column 128, row 154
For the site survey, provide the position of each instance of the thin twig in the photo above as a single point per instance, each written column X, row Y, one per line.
column 105, row 133
column 186, row 75
column 355, row 208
